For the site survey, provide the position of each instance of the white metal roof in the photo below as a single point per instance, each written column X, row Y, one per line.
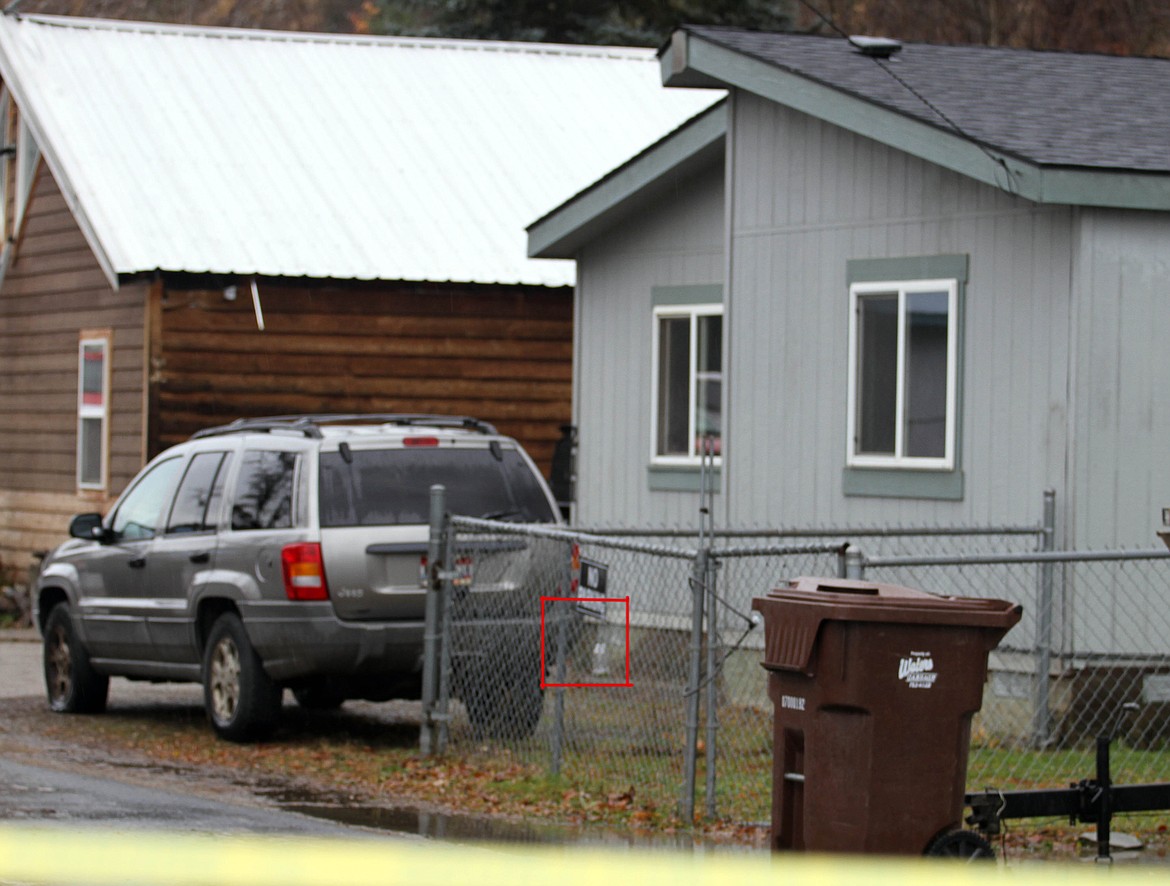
column 287, row 154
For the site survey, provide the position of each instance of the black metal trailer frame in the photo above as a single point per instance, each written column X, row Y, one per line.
column 1094, row 800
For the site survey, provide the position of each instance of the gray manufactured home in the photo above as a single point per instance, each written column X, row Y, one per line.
column 889, row 285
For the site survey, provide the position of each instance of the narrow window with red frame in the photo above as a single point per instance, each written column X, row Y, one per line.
column 93, row 412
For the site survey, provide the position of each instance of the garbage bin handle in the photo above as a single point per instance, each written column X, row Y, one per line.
column 847, row 586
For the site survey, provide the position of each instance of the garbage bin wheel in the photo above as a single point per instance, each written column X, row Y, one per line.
column 965, row 845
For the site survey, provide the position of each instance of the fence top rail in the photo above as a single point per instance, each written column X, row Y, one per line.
column 856, row 532
column 1031, row 557
column 571, row 535
column 776, row 550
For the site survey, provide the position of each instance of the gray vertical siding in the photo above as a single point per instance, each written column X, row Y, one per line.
column 1122, row 420
column 807, row 198
column 1062, row 364
column 676, row 242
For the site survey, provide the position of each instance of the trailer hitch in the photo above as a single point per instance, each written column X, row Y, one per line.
column 1090, row 801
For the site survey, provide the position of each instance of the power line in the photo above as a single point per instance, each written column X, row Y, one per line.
column 999, row 161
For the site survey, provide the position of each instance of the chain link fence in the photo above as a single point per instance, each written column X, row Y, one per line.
column 630, row 661
column 1089, row 658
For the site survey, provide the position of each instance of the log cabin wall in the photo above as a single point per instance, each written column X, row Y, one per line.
column 499, row 353
column 52, row 292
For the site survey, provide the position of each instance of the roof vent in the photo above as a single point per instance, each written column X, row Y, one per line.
column 875, row 47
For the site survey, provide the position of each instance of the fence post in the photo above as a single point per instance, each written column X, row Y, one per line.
column 710, row 575
column 446, row 637
column 558, row 693
column 1045, row 600
column 698, row 594
column 854, row 564
column 558, row 727
column 426, row 737
column 713, row 650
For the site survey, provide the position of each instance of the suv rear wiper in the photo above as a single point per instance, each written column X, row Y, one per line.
column 500, row 515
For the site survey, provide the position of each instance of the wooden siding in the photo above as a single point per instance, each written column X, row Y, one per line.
column 500, row 354
column 32, row 523
column 53, row 289
column 676, row 242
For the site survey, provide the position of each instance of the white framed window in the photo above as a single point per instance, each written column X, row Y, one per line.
column 903, row 344
column 93, row 411
column 687, row 382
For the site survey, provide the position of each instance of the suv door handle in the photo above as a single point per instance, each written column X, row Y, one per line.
column 200, row 557
column 136, row 563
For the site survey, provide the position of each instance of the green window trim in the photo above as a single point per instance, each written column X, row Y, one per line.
column 682, row 478
column 903, row 483
column 923, row 267
column 910, row 481
column 703, row 294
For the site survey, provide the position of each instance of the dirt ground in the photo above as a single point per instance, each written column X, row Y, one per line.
column 359, row 766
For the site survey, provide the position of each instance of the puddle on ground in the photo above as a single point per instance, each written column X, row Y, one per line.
column 461, row 827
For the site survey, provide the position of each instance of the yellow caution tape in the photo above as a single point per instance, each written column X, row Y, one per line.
column 32, row 855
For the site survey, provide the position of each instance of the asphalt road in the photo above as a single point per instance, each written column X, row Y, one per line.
column 47, row 781
column 20, row 664
column 43, row 782
column 37, row 794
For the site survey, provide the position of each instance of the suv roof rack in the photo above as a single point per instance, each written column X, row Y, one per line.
column 310, row 425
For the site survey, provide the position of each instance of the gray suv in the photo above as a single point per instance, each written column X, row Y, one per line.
column 273, row 553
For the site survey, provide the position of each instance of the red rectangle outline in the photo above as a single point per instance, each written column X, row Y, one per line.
column 544, row 684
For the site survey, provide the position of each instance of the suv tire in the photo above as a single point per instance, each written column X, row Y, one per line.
column 73, row 686
column 242, row 701
column 503, row 703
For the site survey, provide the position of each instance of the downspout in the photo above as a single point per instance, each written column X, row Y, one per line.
column 575, row 393
column 1067, row 527
column 728, row 445
column 1065, row 522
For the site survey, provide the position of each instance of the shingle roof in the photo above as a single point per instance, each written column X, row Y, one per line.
column 286, row 154
column 1049, row 108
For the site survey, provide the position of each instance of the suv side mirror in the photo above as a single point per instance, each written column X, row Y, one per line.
column 89, row 527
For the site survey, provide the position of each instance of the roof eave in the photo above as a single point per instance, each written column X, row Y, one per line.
column 52, row 160
column 690, row 60
column 1103, row 188
column 697, row 144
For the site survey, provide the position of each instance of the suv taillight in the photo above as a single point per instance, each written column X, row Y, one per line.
column 304, row 572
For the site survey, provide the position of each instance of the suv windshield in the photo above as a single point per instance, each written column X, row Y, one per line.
column 387, row 487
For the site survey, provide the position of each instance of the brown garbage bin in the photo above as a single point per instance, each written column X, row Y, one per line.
column 874, row 687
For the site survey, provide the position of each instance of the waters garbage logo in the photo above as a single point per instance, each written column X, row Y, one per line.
column 917, row 670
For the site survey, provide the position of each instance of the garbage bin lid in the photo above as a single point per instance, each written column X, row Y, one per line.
column 793, row 613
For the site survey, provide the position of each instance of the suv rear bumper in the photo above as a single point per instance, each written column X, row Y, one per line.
column 308, row 639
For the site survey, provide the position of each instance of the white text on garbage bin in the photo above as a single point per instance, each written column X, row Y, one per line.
column 917, row 670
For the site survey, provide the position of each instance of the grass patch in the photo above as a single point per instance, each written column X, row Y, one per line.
column 1025, row 769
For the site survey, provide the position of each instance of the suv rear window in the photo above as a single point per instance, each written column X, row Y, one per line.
column 388, row 487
